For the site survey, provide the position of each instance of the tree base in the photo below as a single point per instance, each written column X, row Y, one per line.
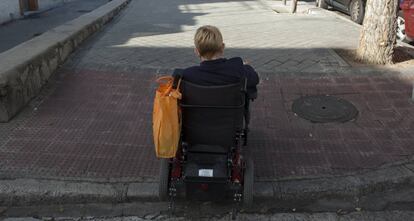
column 401, row 55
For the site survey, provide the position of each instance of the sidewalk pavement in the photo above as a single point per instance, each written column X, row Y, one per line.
column 21, row 30
column 93, row 122
column 302, row 6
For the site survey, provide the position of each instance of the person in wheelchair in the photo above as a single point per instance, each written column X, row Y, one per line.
column 214, row 69
column 215, row 117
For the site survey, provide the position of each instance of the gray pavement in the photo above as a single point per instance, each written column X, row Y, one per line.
column 21, row 30
column 159, row 35
column 355, row 216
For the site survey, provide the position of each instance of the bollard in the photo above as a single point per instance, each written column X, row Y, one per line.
column 294, row 6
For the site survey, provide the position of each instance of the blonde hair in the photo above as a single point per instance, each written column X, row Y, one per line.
column 208, row 41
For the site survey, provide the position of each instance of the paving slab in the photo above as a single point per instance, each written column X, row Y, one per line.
column 154, row 36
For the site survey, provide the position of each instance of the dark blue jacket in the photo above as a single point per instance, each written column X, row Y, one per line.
column 222, row 71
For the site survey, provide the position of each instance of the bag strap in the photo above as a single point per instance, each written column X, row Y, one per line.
column 178, row 84
column 177, row 81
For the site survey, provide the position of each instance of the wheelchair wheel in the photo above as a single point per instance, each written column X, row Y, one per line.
column 248, row 183
column 163, row 189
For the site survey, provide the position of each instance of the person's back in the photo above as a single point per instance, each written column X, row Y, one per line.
column 214, row 69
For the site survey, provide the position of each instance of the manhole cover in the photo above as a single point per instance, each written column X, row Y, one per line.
column 324, row 109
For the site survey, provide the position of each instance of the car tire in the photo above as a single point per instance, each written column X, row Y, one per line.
column 357, row 11
column 401, row 27
column 321, row 4
column 164, row 173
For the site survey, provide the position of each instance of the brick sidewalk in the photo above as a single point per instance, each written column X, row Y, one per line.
column 96, row 123
column 290, row 146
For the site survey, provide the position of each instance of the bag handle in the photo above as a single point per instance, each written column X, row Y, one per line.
column 161, row 80
column 170, row 81
column 167, row 80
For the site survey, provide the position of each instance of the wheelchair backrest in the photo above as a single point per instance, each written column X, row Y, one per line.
column 212, row 115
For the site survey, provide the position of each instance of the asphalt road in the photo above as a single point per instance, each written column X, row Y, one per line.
column 188, row 211
column 21, row 30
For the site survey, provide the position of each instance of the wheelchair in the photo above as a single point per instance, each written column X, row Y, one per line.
column 211, row 158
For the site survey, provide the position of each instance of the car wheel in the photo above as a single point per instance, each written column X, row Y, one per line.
column 321, row 4
column 357, row 11
column 401, row 27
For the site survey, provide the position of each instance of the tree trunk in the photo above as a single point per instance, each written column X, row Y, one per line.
column 294, row 5
column 378, row 35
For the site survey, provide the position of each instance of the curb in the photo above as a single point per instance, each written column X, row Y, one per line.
column 331, row 13
column 28, row 66
column 23, row 192
column 381, row 189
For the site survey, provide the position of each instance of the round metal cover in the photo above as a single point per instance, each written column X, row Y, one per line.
column 324, row 109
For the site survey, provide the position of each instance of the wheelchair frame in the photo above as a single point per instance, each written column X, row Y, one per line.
column 240, row 168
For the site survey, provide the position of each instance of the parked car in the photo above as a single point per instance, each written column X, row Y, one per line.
column 405, row 21
column 355, row 8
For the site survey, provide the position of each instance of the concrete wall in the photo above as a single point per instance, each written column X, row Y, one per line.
column 9, row 9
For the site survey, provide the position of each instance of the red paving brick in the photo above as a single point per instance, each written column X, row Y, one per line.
column 98, row 125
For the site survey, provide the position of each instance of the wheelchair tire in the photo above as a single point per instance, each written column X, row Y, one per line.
column 248, row 183
column 164, row 173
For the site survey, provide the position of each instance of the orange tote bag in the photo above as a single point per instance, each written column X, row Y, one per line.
column 166, row 119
